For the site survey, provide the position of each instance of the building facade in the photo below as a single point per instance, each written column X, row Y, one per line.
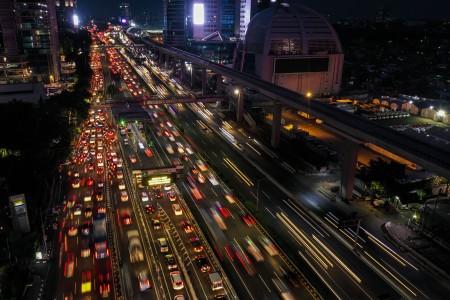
column 65, row 11
column 38, row 35
column 294, row 47
column 174, row 30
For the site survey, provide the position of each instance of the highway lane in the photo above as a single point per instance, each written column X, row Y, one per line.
column 403, row 272
column 236, row 232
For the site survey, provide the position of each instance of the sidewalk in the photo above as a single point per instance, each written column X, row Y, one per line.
column 425, row 250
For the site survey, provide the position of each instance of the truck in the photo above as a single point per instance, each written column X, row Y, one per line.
column 100, row 243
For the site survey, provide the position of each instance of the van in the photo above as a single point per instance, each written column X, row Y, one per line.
column 163, row 247
column 215, row 281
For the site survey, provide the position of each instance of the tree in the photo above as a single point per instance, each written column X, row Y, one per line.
column 376, row 188
column 421, row 194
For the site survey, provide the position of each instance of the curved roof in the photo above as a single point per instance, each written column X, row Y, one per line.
column 291, row 29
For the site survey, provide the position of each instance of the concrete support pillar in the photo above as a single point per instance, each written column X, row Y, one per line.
column 182, row 71
column 349, row 159
column 240, row 106
column 166, row 62
column 204, row 82
column 276, row 125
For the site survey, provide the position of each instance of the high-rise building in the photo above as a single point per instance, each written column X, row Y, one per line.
column 125, row 15
column 38, row 36
column 65, row 11
column 174, row 30
column 246, row 10
column 293, row 46
column 211, row 18
column 13, row 64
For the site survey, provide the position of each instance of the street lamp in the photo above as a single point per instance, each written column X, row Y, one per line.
column 309, row 95
column 237, row 91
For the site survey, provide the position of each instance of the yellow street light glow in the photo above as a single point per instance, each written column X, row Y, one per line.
column 308, row 95
column 236, row 92
column 159, row 180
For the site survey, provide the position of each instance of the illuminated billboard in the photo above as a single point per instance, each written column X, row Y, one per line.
column 76, row 20
column 159, row 180
column 199, row 13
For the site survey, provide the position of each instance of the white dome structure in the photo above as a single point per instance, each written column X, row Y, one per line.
column 293, row 46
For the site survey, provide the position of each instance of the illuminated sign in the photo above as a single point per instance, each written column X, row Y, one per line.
column 158, row 180
column 76, row 20
column 199, row 13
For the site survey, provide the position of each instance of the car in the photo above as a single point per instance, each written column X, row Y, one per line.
column 76, row 183
column 177, row 282
column 121, row 185
column 119, row 175
column 201, row 165
column 104, row 287
column 135, row 250
column 158, row 193
column 87, row 198
column 156, row 223
column 100, row 170
column 189, row 151
column 230, row 198
column 202, row 263
column 169, row 149
column 89, row 181
column 133, row 159
column 148, row 152
column 76, row 174
column 225, row 212
column 100, row 184
column 171, row 262
column 126, row 219
column 101, row 209
column 149, row 208
column 77, row 210
column 184, row 157
column 85, row 251
column 172, row 196
column 88, row 212
column 99, row 196
column 177, row 209
column 168, row 187
column 196, row 244
column 201, row 178
column 86, row 228
column 187, row 227
column 144, row 196
column 69, row 265
column 179, row 297
column 144, row 282
column 268, row 245
column 123, row 196
column 212, row 179
column 86, row 282
column 248, row 220
column 73, row 231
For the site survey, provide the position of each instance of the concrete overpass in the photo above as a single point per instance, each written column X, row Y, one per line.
column 169, row 100
column 353, row 128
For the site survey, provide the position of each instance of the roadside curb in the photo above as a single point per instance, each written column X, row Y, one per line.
column 405, row 248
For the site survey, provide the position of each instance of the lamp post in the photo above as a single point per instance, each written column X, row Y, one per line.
column 308, row 98
column 4, row 68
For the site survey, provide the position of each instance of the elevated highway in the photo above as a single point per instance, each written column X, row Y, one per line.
column 352, row 127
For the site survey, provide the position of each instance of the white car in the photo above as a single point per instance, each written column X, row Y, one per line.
column 171, row 138
column 189, row 151
column 212, row 179
column 121, row 185
column 177, row 209
column 169, row 149
column 177, row 282
column 144, row 197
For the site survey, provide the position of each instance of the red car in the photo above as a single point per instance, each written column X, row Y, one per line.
column 104, row 287
column 126, row 219
column 149, row 209
column 249, row 220
column 90, row 181
column 225, row 212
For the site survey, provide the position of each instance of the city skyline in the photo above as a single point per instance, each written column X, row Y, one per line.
column 437, row 9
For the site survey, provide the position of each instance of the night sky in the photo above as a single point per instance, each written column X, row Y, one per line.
column 336, row 8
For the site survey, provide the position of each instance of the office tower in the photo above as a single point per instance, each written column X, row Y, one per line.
column 174, row 31
column 38, row 34
column 65, row 11
column 125, row 15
